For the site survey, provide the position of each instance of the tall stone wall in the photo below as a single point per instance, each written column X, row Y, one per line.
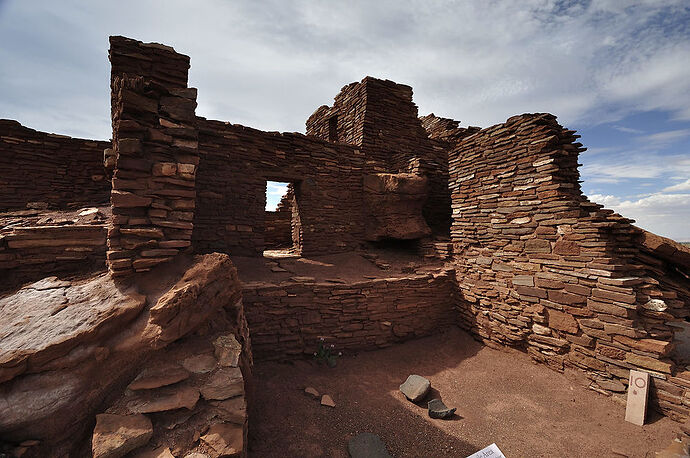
column 541, row 268
column 55, row 170
column 236, row 162
column 155, row 143
column 287, row 320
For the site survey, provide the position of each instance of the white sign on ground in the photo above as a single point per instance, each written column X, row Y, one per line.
column 638, row 387
column 491, row 451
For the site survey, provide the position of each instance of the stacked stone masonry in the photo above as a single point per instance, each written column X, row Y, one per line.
column 235, row 164
column 380, row 118
column 155, row 144
column 287, row 320
column 49, row 170
column 31, row 253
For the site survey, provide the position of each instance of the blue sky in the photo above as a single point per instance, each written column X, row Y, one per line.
column 617, row 71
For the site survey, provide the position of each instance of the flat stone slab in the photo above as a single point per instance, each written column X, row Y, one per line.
column 227, row 350
column 327, row 401
column 45, row 320
column 367, row 445
column 225, row 439
column 312, row 392
column 415, row 387
column 225, row 383
column 156, row 377
column 200, row 364
column 160, row 452
column 162, row 399
column 437, row 409
column 117, row 435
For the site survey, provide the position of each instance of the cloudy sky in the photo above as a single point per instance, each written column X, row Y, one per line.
column 618, row 71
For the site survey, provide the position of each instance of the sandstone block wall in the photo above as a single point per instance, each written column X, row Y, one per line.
column 236, row 162
column 155, row 143
column 541, row 268
column 287, row 320
column 53, row 169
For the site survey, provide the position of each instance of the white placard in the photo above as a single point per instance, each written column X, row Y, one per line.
column 638, row 387
column 491, row 451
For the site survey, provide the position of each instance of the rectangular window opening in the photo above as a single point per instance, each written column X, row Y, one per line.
column 281, row 229
column 333, row 129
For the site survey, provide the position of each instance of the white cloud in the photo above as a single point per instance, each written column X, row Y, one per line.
column 684, row 186
column 641, row 164
column 628, row 130
column 661, row 213
column 661, row 139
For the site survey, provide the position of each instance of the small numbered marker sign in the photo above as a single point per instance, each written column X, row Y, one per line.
column 638, row 387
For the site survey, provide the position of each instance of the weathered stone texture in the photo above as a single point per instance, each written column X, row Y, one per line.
column 31, row 253
column 155, row 143
column 237, row 161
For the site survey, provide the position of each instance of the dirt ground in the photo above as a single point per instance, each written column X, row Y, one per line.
column 502, row 397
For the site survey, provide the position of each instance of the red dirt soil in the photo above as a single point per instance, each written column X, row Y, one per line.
column 502, row 397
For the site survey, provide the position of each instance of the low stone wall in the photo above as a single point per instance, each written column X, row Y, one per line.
column 30, row 253
column 55, row 170
column 287, row 320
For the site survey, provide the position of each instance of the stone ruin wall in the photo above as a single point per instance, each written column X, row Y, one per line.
column 31, row 253
column 287, row 320
column 542, row 269
column 155, row 143
column 40, row 171
column 381, row 119
column 236, row 163
column 49, row 170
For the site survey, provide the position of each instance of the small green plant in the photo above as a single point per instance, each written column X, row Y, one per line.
column 326, row 354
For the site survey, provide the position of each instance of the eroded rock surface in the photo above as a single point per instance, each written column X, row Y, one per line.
column 68, row 347
column 53, row 319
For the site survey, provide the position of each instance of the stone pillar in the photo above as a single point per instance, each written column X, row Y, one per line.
column 156, row 156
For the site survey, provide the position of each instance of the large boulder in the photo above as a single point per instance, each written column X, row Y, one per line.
column 70, row 347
